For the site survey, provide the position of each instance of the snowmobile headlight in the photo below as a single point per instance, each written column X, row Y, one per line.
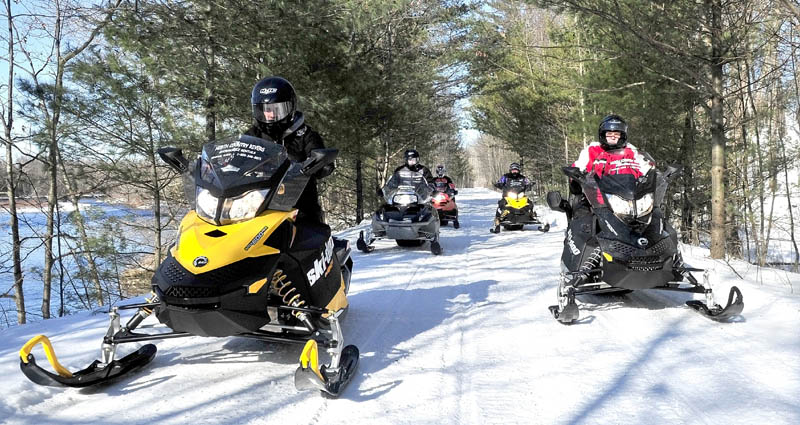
column 206, row 204
column 243, row 207
column 440, row 197
column 620, row 205
column 644, row 205
column 404, row 199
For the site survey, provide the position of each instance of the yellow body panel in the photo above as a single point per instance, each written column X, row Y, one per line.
column 517, row 203
column 256, row 286
column 228, row 249
column 608, row 257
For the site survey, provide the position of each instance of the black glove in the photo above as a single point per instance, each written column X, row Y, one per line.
column 498, row 185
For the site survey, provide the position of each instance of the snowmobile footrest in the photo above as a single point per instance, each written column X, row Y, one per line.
column 96, row 373
column 330, row 383
column 732, row 309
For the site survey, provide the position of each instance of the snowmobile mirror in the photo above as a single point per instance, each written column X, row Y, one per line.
column 174, row 158
column 554, row 201
column 673, row 171
column 574, row 173
column 317, row 159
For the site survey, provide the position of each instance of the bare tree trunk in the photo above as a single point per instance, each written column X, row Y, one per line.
column 687, row 151
column 717, row 137
column 74, row 196
column 359, row 192
column 55, row 104
column 19, row 296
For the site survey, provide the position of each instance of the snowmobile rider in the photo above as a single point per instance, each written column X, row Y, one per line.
column 611, row 154
column 443, row 181
column 277, row 118
column 513, row 174
column 411, row 163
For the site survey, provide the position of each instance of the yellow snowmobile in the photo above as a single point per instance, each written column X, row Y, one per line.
column 242, row 265
column 516, row 210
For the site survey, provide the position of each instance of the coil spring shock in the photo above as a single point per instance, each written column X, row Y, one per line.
column 288, row 293
column 592, row 262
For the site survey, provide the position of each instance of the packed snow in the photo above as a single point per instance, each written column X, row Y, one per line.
column 461, row 338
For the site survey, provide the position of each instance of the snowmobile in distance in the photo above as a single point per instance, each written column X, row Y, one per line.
column 242, row 265
column 518, row 210
column 625, row 244
column 444, row 201
column 407, row 215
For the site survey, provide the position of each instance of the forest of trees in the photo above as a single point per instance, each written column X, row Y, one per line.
column 90, row 92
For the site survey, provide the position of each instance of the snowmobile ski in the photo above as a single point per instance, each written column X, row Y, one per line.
column 733, row 308
column 568, row 312
column 329, row 380
column 362, row 245
column 96, row 373
column 436, row 248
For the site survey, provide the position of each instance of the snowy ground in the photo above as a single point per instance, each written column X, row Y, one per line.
column 462, row 338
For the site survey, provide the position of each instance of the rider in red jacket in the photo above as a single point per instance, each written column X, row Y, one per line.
column 612, row 154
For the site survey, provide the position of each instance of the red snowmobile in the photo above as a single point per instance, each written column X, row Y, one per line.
column 444, row 200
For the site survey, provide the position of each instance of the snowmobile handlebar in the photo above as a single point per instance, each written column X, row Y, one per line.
column 318, row 159
column 174, row 158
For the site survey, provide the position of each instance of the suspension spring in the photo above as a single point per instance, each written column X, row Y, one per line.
column 285, row 289
column 592, row 262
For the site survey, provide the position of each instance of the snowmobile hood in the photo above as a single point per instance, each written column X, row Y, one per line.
column 202, row 247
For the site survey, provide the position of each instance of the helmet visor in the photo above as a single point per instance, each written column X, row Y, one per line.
column 272, row 112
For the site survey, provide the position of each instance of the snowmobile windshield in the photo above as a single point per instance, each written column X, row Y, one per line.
column 235, row 176
column 514, row 188
column 234, row 165
column 407, row 187
column 626, row 195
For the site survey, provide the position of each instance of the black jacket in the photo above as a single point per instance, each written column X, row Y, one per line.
column 299, row 140
column 418, row 168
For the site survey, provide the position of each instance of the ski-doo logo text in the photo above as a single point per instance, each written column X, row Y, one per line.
column 200, row 261
column 321, row 264
column 268, row 90
column 571, row 243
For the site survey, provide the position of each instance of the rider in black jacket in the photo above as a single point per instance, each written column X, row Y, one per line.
column 277, row 118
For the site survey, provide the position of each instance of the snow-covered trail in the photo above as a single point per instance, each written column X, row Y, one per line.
column 461, row 338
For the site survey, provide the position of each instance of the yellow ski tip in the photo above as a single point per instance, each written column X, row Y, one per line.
column 48, row 350
column 309, row 358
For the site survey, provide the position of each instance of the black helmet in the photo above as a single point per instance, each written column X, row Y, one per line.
column 411, row 154
column 613, row 123
column 274, row 104
column 440, row 170
column 514, row 166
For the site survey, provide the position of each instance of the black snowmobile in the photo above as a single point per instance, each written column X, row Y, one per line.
column 407, row 216
column 242, row 265
column 518, row 210
column 625, row 244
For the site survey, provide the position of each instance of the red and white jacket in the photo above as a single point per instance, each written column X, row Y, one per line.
column 627, row 160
